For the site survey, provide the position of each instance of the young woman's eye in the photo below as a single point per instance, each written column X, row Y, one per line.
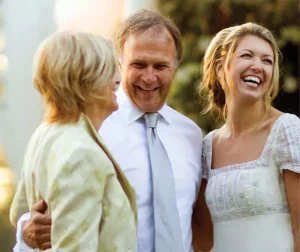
column 268, row 61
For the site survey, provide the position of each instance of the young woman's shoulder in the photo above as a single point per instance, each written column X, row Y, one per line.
column 284, row 120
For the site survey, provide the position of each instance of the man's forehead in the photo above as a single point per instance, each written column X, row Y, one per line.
column 155, row 45
column 152, row 32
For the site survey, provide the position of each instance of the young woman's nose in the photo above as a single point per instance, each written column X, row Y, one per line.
column 257, row 64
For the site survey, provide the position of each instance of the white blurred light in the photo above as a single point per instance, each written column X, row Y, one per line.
column 6, row 176
column 2, row 41
column 3, row 62
column 66, row 9
column 290, row 84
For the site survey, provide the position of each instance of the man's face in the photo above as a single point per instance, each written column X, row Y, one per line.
column 147, row 65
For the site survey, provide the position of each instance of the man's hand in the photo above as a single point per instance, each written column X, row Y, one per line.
column 37, row 230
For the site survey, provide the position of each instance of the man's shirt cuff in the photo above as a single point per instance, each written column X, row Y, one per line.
column 21, row 245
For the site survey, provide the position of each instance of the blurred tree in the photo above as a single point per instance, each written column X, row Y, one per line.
column 7, row 232
column 200, row 20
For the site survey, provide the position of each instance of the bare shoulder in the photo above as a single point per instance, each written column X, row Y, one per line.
column 271, row 118
column 219, row 135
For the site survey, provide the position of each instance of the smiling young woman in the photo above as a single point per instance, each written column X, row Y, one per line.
column 251, row 164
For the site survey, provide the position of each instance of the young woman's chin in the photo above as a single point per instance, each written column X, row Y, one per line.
column 248, row 99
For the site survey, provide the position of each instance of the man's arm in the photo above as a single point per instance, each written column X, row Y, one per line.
column 33, row 229
column 32, row 236
column 20, row 244
column 36, row 231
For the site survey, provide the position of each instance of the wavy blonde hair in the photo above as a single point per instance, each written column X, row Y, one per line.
column 70, row 68
column 219, row 53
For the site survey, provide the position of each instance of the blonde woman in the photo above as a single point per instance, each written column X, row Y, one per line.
column 251, row 164
column 91, row 203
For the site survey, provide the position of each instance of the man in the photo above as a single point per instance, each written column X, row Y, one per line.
column 150, row 50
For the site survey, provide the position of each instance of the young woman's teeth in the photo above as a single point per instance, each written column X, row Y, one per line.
column 252, row 80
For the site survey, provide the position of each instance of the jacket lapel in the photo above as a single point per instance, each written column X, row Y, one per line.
column 129, row 191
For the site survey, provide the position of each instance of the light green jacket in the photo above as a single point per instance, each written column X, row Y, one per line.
column 91, row 203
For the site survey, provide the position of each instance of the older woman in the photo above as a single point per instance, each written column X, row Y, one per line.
column 66, row 163
column 251, row 164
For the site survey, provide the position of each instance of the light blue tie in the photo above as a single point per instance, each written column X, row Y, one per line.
column 166, row 220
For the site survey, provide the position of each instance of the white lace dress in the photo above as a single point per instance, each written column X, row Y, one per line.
column 247, row 201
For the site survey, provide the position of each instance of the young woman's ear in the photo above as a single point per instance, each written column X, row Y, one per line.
column 220, row 74
column 219, row 69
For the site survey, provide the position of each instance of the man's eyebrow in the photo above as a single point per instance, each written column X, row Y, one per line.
column 145, row 62
column 137, row 60
column 162, row 63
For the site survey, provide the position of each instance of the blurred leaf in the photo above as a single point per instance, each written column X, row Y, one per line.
column 291, row 33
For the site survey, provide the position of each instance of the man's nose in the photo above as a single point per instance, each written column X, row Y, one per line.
column 149, row 76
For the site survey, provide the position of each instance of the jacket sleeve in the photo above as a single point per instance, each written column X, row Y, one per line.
column 75, row 201
column 19, row 204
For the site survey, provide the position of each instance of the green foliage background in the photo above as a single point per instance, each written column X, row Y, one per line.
column 7, row 232
column 199, row 20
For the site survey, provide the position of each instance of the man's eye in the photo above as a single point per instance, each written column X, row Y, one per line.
column 161, row 66
column 139, row 65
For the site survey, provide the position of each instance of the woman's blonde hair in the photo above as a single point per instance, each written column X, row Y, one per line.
column 219, row 53
column 69, row 69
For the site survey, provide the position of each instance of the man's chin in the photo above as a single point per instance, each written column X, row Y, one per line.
column 149, row 108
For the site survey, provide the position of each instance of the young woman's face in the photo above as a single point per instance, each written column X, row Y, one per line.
column 250, row 69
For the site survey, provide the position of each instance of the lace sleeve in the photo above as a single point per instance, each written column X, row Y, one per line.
column 206, row 156
column 287, row 147
column 204, row 167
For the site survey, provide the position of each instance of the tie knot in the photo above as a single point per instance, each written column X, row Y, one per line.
column 151, row 119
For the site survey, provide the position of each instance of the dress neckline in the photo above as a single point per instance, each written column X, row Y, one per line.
column 246, row 164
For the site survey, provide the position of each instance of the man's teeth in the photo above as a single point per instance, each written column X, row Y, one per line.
column 148, row 90
column 252, row 79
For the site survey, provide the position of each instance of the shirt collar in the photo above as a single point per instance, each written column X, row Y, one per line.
column 131, row 113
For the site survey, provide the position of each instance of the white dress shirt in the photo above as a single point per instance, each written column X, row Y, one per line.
column 124, row 133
